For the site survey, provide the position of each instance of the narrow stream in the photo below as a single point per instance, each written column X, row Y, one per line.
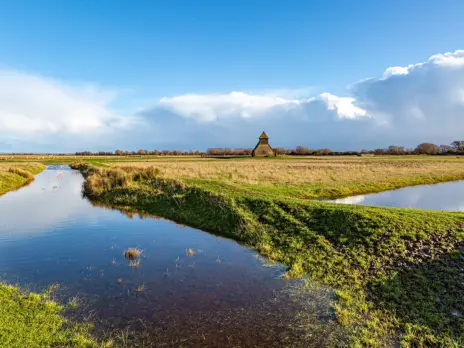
column 447, row 196
column 221, row 295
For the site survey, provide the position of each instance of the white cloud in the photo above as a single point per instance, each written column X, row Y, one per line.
column 209, row 107
column 345, row 106
column 446, row 60
column 396, row 70
column 449, row 59
column 31, row 104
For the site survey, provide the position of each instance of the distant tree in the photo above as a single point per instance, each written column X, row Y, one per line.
column 302, row 150
column 458, row 145
column 444, row 149
column 280, row 151
column 427, row 149
column 323, row 151
column 396, row 150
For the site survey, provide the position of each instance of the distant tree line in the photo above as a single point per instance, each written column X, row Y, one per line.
column 141, row 153
column 455, row 148
column 228, row 152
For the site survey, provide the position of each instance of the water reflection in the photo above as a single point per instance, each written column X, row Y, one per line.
column 446, row 196
column 221, row 294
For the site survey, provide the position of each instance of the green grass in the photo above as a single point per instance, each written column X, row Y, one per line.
column 35, row 320
column 16, row 175
column 397, row 273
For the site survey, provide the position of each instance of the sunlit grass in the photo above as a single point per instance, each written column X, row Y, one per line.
column 35, row 320
column 15, row 175
column 307, row 178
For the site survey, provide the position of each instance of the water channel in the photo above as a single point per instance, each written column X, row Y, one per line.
column 447, row 196
column 223, row 294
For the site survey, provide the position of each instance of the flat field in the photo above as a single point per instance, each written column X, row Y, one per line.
column 310, row 177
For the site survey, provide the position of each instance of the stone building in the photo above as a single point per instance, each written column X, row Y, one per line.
column 263, row 149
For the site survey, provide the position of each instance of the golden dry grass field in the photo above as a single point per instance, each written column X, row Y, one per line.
column 310, row 177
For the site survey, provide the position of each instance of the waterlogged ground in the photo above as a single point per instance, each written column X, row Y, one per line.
column 222, row 295
column 445, row 196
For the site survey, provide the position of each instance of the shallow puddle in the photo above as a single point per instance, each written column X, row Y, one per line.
column 189, row 289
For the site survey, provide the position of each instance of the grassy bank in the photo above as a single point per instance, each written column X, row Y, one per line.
column 15, row 175
column 397, row 272
column 35, row 320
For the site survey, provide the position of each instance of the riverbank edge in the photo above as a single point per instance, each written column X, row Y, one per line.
column 20, row 175
column 373, row 257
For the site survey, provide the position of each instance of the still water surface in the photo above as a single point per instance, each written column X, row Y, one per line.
column 223, row 295
column 445, row 196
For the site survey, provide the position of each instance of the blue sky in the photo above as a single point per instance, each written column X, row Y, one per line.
column 130, row 55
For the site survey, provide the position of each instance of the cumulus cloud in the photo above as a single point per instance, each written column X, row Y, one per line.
column 211, row 106
column 32, row 105
column 207, row 108
column 420, row 102
column 344, row 105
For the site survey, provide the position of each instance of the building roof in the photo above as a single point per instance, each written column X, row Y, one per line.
column 263, row 136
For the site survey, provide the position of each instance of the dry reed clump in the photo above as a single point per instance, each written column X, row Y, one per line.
column 21, row 172
column 121, row 177
column 132, row 254
column 190, row 252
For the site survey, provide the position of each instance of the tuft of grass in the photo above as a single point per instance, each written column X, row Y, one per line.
column 140, row 288
column 189, row 252
column 132, row 253
column 74, row 302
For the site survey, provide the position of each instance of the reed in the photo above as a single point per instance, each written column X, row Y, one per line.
column 132, row 254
